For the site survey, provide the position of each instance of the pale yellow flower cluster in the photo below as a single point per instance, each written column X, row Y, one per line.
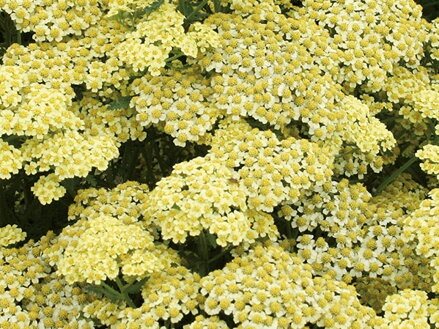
column 48, row 189
column 368, row 38
column 263, row 76
column 204, row 194
column 269, row 287
column 64, row 153
column 409, row 309
column 10, row 160
column 53, row 20
column 286, row 103
column 414, row 95
column 368, row 236
column 367, row 133
column 430, row 154
column 150, row 43
column 168, row 295
column 421, row 228
column 77, row 43
column 434, row 40
column 11, row 234
column 338, row 210
column 122, row 247
column 39, row 106
column 32, row 296
column 269, row 68
column 177, row 103
column 273, row 171
column 122, row 202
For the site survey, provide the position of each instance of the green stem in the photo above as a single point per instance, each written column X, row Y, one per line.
column 170, row 59
column 159, row 157
column 203, row 252
column 147, row 154
column 19, row 40
column 394, row 175
column 346, row 153
column 289, row 230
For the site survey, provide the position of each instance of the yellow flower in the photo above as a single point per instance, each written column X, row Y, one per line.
column 204, row 194
column 10, row 160
column 180, row 101
column 48, row 189
column 430, row 154
column 121, row 246
column 11, row 234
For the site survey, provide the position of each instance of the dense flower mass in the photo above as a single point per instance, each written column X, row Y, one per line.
column 270, row 287
column 219, row 164
column 205, row 195
column 11, row 234
column 177, row 103
column 272, row 171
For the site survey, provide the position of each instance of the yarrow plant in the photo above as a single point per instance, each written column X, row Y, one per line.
column 219, row 164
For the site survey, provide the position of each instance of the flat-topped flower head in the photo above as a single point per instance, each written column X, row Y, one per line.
column 430, row 156
column 10, row 160
column 369, row 38
column 203, row 194
column 421, row 228
column 123, row 202
column 410, row 308
column 70, row 154
column 178, row 103
column 125, row 248
column 33, row 296
column 11, row 234
column 53, row 20
column 273, row 171
column 152, row 38
column 268, row 286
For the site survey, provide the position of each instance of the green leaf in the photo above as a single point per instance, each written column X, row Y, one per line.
column 217, row 5
column 91, row 180
column 195, row 13
column 394, row 175
column 184, row 7
column 71, row 185
column 120, row 103
column 14, row 140
column 134, row 288
column 148, row 10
